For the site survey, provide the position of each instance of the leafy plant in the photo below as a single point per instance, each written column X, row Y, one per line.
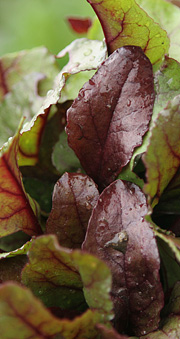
column 89, row 185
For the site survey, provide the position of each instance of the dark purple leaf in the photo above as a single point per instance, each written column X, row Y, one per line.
column 74, row 197
column 118, row 234
column 111, row 114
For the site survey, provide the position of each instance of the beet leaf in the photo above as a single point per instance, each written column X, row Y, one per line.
column 111, row 114
column 74, row 197
column 118, row 234
column 125, row 23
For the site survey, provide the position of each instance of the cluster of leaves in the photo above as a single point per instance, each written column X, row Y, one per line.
column 90, row 181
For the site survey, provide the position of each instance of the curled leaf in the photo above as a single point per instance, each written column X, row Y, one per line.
column 125, row 23
column 165, row 134
column 111, row 114
column 167, row 86
column 15, row 67
column 118, row 234
column 17, row 210
column 74, row 197
column 31, row 134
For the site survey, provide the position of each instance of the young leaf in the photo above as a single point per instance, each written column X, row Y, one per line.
column 169, row 250
column 20, row 102
column 165, row 134
column 167, row 86
column 57, row 275
column 94, row 53
column 74, row 197
column 84, row 55
column 111, row 114
column 15, row 66
column 168, row 16
column 169, row 201
column 23, row 316
column 30, row 140
column 125, row 23
column 119, row 235
column 20, row 251
column 63, row 157
column 18, row 211
column 173, row 243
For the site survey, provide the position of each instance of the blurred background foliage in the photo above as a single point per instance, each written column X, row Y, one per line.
column 30, row 23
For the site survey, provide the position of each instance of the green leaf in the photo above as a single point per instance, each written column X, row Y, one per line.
column 20, row 251
column 84, row 55
column 23, row 316
column 170, row 199
column 165, row 134
column 63, row 157
column 13, row 241
column 127, row 175
column 17, row 210
column 94, row 52
column 15, row 66
column 167, row 86
column 173, row 243
column 170, row 268
column 95, row 31
column 125, row 23
column 19, row 102
column 58, row 275
column 168, row 16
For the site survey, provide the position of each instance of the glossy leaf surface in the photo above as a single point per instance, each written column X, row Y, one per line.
column 74, row 197
column 59, row 276
column 119, row 235
column 111, row 114
column 125, row 23
column 17, row 210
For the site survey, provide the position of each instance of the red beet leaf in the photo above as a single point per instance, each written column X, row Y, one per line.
column 118, row 234
column 74, row 197
column 111, row 114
